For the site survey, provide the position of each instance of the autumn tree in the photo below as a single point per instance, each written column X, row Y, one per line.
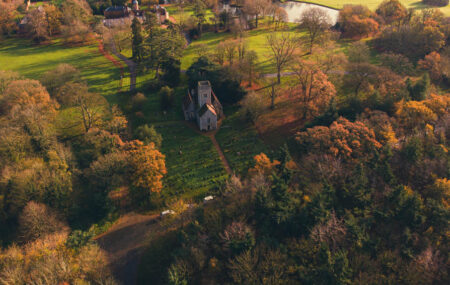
column 37, row 26
column 37, row 220
column 425, row 38
column 398, row 63
column 147, row 166
column 91, row 106
column 316, row 22
column 342, row 139
column 49, row 260
column 263, row 165
column 54, row 19
column 433, row 64
column 7, row 22
column 391, row 11
column 55, row 78
column 311, row 88
column 356, row 21
column 28, row 105
column 414, row 114
column 282, row 46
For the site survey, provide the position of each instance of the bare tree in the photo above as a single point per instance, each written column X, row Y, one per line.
column 37, row 220
column 283, row 46
column 91, row 106
column 331, row 232
column 316, row 22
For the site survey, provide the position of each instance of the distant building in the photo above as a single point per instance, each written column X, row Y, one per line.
column 23, row 24
column 201, row 105
column 160, row 13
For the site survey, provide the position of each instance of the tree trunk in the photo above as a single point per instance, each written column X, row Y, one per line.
column 272, row 105
column 279, row 75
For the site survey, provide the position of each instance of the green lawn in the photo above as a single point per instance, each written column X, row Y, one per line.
column 193, row 164
column 182, row 15
column 239, row 141
column 373, row 4
column 256, row 40
column 32, row 61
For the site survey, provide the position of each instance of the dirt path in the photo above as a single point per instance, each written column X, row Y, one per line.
column 222, row 156
column 131, row 65
column 125, row 242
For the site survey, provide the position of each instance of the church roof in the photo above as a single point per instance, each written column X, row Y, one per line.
column 205, row 108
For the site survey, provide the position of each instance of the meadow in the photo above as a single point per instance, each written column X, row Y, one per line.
column 373, row 4
column 32, row 61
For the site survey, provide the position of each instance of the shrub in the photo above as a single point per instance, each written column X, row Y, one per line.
column 138, row 101
column 167, row 98
column 148, row 134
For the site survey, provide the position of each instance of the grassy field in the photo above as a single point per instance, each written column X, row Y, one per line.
column 256, row 40
column 239, row 141
column 193, row 164
column 373, row 4
column 32, row 61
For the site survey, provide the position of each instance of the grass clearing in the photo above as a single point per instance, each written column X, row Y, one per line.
column 32, row 61
column 256, row 40
column 239, row 141
column 193, row 165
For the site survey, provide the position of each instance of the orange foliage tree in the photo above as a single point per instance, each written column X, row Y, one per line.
column 312, row 88
column 433, row 64
column 342, row 139
column 357, row 21
column 147, row 165
column 263, row 165
column 391, row 11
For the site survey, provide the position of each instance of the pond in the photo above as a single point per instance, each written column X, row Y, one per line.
column 295, row 9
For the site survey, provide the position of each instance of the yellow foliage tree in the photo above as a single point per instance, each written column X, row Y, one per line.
column 148, row 165
column 263, row 165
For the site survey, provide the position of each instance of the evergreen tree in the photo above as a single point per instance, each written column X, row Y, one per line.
column 137, row 39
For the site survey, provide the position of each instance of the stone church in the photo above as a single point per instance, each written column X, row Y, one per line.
column 201, row 105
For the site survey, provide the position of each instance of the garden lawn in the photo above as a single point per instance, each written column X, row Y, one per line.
column 32, row 61
column 194, row 168
column 239, row 141
column 373, row 4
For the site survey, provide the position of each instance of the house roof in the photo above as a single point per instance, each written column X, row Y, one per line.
column 205, row 108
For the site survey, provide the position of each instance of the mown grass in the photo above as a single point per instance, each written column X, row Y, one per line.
column 32, row 61
column 193, row 165
column 239, row 141
column 373, row 4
